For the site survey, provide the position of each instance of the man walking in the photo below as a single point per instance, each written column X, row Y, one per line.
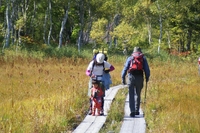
column 136, row 66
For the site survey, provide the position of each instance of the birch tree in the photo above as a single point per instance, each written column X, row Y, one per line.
column 89, row 26
column 45, row 24
column 50, row 21
column 63, row 26
column 81, row 23
column 7, row 34
column 160, row 22
column 47, row 14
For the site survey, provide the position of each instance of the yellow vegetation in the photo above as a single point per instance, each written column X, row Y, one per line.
column 51, row 95
column 173, row 98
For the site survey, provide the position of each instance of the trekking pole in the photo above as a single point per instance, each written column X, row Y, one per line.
column 145, row 96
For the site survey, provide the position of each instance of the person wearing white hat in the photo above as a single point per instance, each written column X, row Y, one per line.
column 95, row 70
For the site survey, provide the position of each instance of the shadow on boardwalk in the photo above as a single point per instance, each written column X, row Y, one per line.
column 93, row 124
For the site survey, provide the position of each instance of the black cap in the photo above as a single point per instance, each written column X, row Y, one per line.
column 95, row 82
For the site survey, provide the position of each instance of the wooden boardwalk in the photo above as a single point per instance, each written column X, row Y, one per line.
column 93, row 124
column 132, row 125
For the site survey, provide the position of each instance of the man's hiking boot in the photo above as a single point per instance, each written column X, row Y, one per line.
column 132, row 114
column 137, row 113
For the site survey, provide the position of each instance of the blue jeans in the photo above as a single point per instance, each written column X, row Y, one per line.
column 135, row 85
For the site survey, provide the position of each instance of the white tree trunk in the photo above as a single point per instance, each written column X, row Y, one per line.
column 149, row 30
column 44, row 26
column 81, row 14
column 62, row 28
column 168, row 38
column 160, row 21
column 7, row 35
column 89, row 27
column 50, row 20
column 32, row 19
column 79, row 41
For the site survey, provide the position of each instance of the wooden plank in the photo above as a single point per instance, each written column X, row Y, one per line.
column 92, row 124
column 110, row 94
column 132, row 125
column 97, row 124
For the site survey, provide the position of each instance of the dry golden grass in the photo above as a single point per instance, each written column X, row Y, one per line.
column 39, row 96
column 50, row 95
column 43, row 96
column 173, row 98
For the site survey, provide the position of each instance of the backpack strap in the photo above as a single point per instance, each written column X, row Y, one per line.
column 94, row 65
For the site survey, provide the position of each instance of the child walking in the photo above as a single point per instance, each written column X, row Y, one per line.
column 96, row 97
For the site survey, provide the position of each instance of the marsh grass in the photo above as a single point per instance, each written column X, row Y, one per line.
column 50, row 95
column 172, row 102
column 173, row 98
column 42, row 96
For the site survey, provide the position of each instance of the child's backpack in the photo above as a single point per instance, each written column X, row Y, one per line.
column 136, row 62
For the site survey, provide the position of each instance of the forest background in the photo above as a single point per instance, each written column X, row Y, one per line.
column 121, row 24
column 43, row 44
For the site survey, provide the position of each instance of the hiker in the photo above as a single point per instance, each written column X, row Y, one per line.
column 106, row 78
column 96, row 97
column 95, row 70
column 135, row 70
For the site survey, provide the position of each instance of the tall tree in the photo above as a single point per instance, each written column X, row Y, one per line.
column 8, row 22
column 63, row 26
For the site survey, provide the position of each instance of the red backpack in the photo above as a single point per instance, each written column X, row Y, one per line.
column 136, row 62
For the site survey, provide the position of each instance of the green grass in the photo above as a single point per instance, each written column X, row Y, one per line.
column 116, row 113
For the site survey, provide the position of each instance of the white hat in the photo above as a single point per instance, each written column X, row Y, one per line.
column 100, row 58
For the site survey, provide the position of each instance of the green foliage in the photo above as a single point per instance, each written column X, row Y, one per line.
column 124, row 33
column 98, row 30
column 19, row 23
column 2, row 8
column 136, row 19
column 45, row 52
column 75, row 34
column 62, row 52
column 1, row 35
column 116, row 112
